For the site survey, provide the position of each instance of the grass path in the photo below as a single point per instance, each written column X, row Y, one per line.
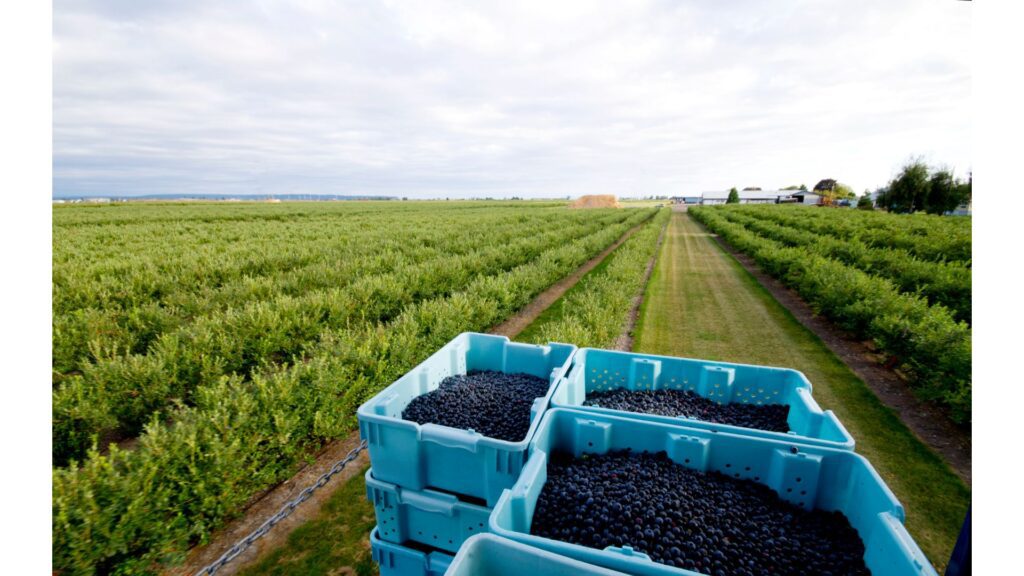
column 701, row 303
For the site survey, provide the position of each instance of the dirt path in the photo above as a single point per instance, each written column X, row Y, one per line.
column 271, row 501
column 268, row 504
column 625, row 340
column 518, row 322
column 927, row 422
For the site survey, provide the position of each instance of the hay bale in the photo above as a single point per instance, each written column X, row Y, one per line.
column 596, row 201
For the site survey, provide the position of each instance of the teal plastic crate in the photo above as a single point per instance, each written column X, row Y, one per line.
column 494, row 556
column 813, row 477
column 459, row 461
column 396, row 560
column 602, row 370
column 437, row 519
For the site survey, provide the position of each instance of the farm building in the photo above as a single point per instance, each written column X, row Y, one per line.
column 748, row 196
column 805, row 197
column 686, row 199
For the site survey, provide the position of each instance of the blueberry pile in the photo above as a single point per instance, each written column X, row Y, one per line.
column 706, row 522
column 494, row 404
column 771, row 417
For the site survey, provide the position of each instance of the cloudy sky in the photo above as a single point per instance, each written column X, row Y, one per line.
column 553, row 98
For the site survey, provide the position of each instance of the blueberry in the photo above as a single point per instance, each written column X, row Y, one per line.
column 708, row 522
column 771, row 417
column 494, row 404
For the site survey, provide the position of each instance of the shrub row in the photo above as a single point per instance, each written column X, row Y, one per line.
column 595, row 314
column 931, row 346
column 946, row 283
column 927, row 236
column 124, row 301
column 116, row 395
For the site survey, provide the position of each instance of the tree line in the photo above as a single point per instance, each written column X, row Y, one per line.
column 919, row 187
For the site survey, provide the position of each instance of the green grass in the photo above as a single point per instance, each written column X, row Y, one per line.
column 337, row 541
column 701, row 303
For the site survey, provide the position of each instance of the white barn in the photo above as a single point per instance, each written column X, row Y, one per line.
column 749, row 196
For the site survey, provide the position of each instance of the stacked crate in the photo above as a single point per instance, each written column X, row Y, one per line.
column 435, row 489
column 433, row 486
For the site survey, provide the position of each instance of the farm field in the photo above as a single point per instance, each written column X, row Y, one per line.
column 220, row 352
column 219, row 344
column 903, row 282
column 701, row 303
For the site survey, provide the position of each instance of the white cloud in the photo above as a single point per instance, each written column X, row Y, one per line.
column 547, row 98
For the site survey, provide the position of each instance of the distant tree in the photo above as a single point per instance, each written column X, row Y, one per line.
column 831, row 191
column 734, row 197
column 803, row 187
column 945, row 192
column 843, row 192
column 826, row 185
column 964, row 189
column 909, row 191
column 882, row 197
column 864, row 202
column 752, row 188
column 918, row 187
column 795, row 187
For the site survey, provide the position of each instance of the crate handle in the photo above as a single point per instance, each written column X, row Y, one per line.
column 431, row 501
column 450, row 437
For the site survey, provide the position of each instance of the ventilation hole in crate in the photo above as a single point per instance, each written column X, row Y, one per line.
column 757, row 478
column 435, row 536
column 481, row 524
column 803, row 492
column 728, row 465
column 736, row 475
column 590, row 443
column 747, row 469
column 687, row 461
column 788, row 490
column 798, row 479
column 450, row 542
column 420, row 532
column 470, row 528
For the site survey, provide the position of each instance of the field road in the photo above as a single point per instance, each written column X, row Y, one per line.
column 701, row 303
